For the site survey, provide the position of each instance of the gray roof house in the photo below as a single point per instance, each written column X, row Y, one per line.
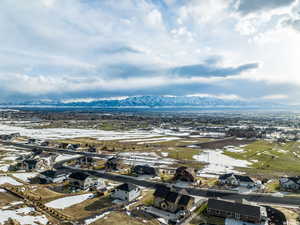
column 290, row 183
column 236, row 180
column 53, row 176
column 85, row 181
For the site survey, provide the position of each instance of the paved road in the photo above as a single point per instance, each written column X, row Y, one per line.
column 209, row 193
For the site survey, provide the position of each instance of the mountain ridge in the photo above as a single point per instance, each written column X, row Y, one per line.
column 152, row 102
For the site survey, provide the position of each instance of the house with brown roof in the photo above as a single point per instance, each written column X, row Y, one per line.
column 185, row 174
column 172, row 201
column 113, row 163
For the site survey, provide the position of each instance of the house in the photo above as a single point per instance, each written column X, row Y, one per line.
column 29, row 164
column 73, row 146
column 236, row 180
column 237, row 211
column 63, row 145
column 172, row 201
column 85, row 181
column 92, row 149
column 184, row 174
column 5, row 137
column 144, row 170
column 45, row 143
column 86, row 160
column 113, row 163
column 126, row 192
column 249, row 132
column 53, row 176
column 290, row 183
column 15, row 135
column 31, row 141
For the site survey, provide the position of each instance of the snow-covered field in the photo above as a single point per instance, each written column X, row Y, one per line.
column 155, row 135
column 234, row 149
column 92, row 220
column 4, row 168
column 66, row 202
column 61, row 133
column 218, row 163
column 141, row 158
column 151, row 140
column 25, row 176
column 23, row 216
column 66, row 157
column 6, row 179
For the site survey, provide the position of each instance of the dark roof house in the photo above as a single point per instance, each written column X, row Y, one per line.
column 185, row 174
column 171, row 201
column 78, row 176
column 233, row 179
column 144, row 170
column 238, row 211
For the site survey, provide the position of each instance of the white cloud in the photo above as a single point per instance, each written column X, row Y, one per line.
column 52, row 46
column 275, row 97
column 220, row 96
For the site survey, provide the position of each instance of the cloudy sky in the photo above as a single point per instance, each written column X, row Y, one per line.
column 67, row 49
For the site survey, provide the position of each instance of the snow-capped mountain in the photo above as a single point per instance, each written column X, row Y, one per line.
column 153, row 101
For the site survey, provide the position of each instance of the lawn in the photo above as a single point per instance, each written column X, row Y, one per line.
column 88, row 208
column 122, row 218
column 270, row 157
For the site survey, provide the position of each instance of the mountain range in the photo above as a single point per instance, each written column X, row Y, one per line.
column 153, row 101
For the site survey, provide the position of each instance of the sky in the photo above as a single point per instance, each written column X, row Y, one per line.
column 91, row 49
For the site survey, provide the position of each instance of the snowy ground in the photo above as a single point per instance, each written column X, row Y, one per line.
column 218, row 163
column 66, row 202
column 234, row 149
column 62, row 133
column 142, row 158
column 92, row 220
column 23, row 216
column 4, row 168
column 25, row 176
column 66, row 157
column 155, row 135
column 6, row 179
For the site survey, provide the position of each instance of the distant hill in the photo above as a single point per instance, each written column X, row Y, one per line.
column 154, row 101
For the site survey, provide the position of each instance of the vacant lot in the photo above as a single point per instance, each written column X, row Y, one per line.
column 270, row 158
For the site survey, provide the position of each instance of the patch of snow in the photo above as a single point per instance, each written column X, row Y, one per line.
column 233, row 149
column 16, row 203
column 218, row 163
column 66, row 202
column 22, row 216
column 159, row 139
column 164, row 154
column 66, row 157
column 282, row 151
column 10, row 158
column 4, row 168
column 92, row 220
column 25, row 176
column 63, row 133
column 6, row 179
